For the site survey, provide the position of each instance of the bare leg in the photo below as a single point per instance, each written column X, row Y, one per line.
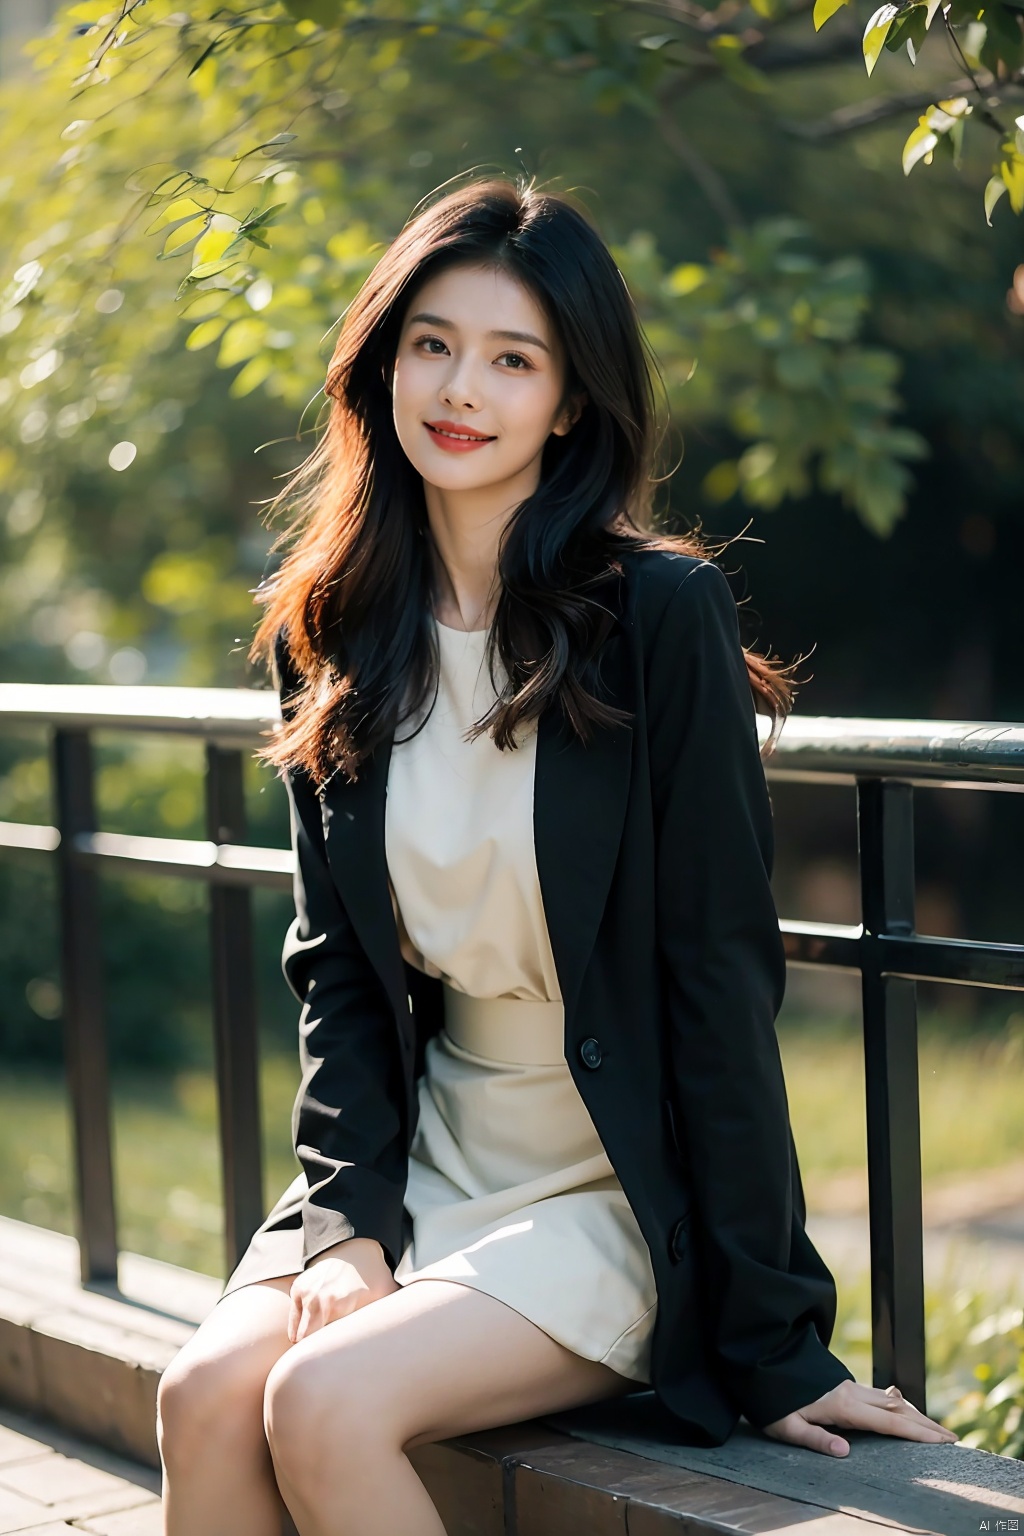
column 432, row 1360
column 218, row 1476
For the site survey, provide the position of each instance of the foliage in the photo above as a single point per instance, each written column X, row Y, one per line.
column 986, row 41
column 631, row 63
column 990, row 1416
column 765, row 334
column 245, row 176
column 104, row 571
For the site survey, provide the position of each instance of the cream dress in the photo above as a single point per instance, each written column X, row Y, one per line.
column 510, row 1189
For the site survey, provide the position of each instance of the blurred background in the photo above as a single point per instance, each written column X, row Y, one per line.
column 190, row 197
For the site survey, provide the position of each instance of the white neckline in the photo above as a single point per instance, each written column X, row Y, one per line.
column 451, row 630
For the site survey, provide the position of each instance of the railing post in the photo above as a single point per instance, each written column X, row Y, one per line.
column 85, row 1032
column 234, row 1014
column 885, row 817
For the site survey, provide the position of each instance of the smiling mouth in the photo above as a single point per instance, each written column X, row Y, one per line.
column 459, row 437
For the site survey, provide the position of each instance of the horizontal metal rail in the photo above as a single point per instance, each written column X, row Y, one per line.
column 955, row 754
column 883, row 759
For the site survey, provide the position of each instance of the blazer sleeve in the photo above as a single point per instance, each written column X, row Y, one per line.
column 773, row 1299
column 347, row 1125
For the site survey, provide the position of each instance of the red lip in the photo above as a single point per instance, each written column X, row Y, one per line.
column 469, row 442
column 464, row 431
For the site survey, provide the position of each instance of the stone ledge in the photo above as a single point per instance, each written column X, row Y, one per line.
column 89, row 1361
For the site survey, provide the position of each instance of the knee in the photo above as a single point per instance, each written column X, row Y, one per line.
column 294, row 1420
column 315, row 1412
column 204, row 1401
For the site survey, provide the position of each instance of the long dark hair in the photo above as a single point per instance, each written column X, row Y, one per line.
column 353, row 595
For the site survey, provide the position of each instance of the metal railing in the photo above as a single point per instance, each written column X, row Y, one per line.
column 884, row 759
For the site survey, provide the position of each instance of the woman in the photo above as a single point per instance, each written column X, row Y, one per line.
column 542, row 1123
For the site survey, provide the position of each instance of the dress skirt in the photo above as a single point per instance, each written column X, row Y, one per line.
column 510, row 1191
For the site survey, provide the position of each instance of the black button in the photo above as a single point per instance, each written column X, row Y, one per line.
column 590, row 1053
column 680, row 1237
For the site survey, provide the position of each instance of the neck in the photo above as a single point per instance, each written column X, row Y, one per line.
column 466, row 529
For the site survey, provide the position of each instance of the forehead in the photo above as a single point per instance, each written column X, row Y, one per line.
column 482, row 299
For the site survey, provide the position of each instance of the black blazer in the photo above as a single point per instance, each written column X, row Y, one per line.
column 654, row 848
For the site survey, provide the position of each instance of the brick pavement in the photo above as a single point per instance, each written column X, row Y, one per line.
column 53, row 1484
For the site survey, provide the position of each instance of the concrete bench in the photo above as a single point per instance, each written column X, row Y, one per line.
column 90, row 1360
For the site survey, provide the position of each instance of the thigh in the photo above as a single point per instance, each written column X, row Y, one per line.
column 437, row 1359
column 245, row 1333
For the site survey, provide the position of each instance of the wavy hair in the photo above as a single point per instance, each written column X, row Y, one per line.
column 351, row 601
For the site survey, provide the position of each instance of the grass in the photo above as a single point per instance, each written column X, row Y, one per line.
column 971, row 1087
column 165, row 1157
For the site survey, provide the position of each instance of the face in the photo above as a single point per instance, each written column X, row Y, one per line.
column 478, row 382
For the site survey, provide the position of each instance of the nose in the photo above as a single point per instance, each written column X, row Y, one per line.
column 461, row 386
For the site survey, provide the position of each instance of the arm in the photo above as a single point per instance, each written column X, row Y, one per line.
column 724, row 969
column 347, row 1122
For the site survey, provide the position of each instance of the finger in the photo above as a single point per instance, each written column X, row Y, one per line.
column 306, row 1321
column 891, row 1400
column 884, row 1422
column 796, row 1430
column 294, row 1316
column 915, row 1416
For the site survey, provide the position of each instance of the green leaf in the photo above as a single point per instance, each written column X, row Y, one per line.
column 203, row 334
column 1004, row 44
column 1012, row 172
column 242, row 341
column 917, row 32
column 182, row 233
column 824, row 10
column 687, row 278
column 261, row 221
column 207, row 53
column 256, row 370
column 876, row 32
column 995, row 188
column 203, row 270
column 800, row 367
column 909, row 28
column 919, row 146
column 721, row 482
column 203, row 306
column 212, row 246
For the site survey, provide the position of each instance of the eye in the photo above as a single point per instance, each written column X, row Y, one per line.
column 425, row 342
column 519, row 359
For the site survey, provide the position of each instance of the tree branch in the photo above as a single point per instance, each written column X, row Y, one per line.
column 775, row 54
column 770, row 57
column 708, row 179
column 984, row 112
column 723, row 18
column 865, row 114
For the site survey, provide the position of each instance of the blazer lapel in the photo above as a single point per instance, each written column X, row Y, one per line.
column 580, row 796
column 579, row 807
column 353, row 817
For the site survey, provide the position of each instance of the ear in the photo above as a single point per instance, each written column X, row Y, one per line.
column 571, row 415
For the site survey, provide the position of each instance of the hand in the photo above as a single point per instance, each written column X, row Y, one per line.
column 853, row 1406
column 338, row 1281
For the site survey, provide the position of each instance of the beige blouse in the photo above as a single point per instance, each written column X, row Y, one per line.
column 459, row 841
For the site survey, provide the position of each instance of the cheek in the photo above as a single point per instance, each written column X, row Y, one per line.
column 404, row 385
column 531, row 412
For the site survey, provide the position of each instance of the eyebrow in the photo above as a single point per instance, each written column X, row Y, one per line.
column 449, row 325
